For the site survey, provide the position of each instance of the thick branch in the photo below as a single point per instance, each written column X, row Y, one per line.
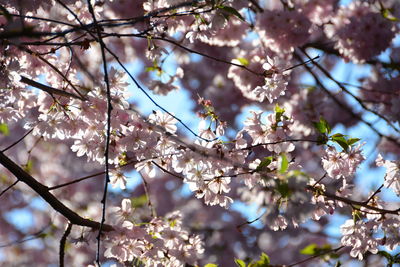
column 48, row 89
column 43, row 191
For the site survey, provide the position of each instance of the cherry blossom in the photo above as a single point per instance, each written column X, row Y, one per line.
column 287, row 127
column 392, row 177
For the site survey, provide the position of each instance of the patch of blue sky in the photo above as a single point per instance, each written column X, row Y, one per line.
column 133, row 180
column 38, row 203
column 250, row 211
column 345, row 2
column 177, row 102
column 22, row 219
column 332, row 229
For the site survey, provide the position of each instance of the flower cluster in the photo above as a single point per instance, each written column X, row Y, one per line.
column 342, row 164
column 358, row 235
column 361, row 236
column 275, row 80
column 244, row 80
column 392, row 177
column 360, row 32
column 159, row 242
column 318, row 11
column 273, row 134
column 283, row 30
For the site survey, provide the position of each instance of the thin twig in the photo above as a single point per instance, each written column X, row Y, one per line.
column 153, row 101
column 354, row 202
column 311, row 60
column 33, row 53
column 16, row 142
column 63, row 242
column 75, row 181
column 108, row 129
column 147, row 192
column 250, row 222
column 279, row 142
column 167, row 171
column 42, row 19
column 8, row 187
column 345, row 107
column 320, row 179
column 315, row 256
column 256, row 5
column 356, row 98
column 102, row 172
column 195, row 52
column 374, row 194
column 33, row 236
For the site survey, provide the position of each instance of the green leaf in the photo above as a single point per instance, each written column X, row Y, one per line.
column 352, row 141
column 334, row 256
column 309, row 250
column 338, row 135
column 322, row 140
column 297, row 173
column 322, row 126
column 262, row 262
column 284, row 163
column 149, row 69
column 211, row 265
column 138, row 202
column 232, row 11
column 240, row 263
column 324, row 248
column 243, row 61
column 278, row 112
column 396, row 258
column 42, row 235
column 283, row 189
column 122, row 159
column 4, row 129
column 28, row 166
column 323, row 251
column 264, row 259
column 387, row 14
column 385, row 254
column 264, row 163
column 340, row 140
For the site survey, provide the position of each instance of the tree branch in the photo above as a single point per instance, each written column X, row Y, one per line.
column 43, row 191
column 48, row 89
column 62, row 243
column 354, row 202
column 8, row 188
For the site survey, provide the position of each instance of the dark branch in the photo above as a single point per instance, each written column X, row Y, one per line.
column 8, row 188
column 48, row 89
column 43, row 191
column 62, row 243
